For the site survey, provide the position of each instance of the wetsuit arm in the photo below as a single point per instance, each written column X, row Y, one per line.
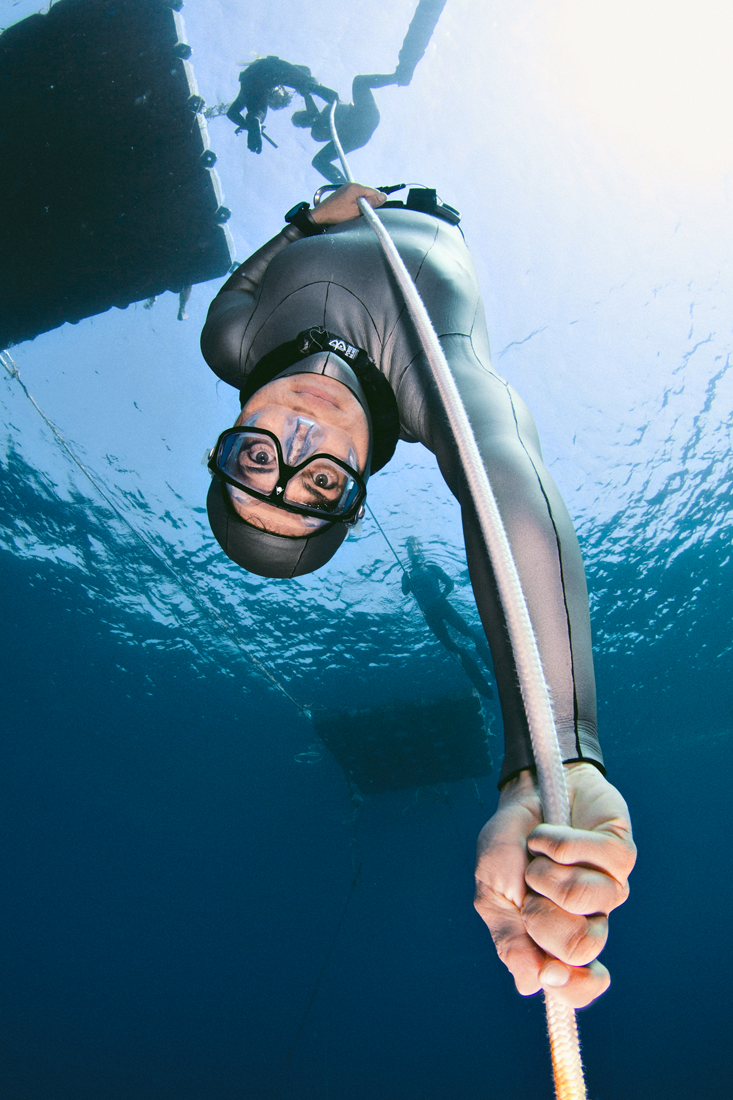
column 297, row 77
column 327, row 94
column 310, row 108
column 546, row 554
column 445, row 579
column 234, row 114
column 221, row 339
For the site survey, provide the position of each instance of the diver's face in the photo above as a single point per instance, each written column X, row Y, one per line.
column 310, row 414
column 414, row 551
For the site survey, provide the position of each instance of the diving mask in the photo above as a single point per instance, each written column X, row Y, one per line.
column 324, row 487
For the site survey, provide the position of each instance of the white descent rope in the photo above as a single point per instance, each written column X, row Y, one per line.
column 561, row 1024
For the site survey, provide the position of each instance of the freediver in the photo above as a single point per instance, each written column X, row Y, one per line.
column 431, row 586
column 263, row 84
column 355, row 122
column 314, row 333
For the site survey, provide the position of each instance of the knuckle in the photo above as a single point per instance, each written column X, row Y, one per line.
column 559, row 849
column 577, row 949
column 621, row 893
column 578, row 896
column 629, row 859
column 504, row 935
column 544, row 842
column 539, row 869
column 479, row 903
column 584, row 942
column 587, row 892
column 534, row 906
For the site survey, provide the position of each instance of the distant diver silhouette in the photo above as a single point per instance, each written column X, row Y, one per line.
column 424, row 580
column 263, row 84
column 183, row 297
column 355, row 123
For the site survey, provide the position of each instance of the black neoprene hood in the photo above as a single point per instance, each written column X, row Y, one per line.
column 263, row 553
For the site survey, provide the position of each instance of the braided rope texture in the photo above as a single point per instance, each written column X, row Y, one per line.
column 565, row 1049
column 561, row 1023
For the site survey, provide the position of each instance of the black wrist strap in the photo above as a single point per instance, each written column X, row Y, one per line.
column 301, row 218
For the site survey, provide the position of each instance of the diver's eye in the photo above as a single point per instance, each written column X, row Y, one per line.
column 321, row 484
column 255, row 464
column 258, row 454
column 325, row 476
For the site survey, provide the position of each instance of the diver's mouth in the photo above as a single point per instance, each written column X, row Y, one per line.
column 318, row 395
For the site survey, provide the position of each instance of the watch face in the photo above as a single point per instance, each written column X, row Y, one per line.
column 296, row 210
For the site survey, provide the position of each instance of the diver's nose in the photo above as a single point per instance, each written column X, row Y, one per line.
column 299, row 442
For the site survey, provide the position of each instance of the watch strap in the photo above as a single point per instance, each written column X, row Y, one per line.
column 302, row 219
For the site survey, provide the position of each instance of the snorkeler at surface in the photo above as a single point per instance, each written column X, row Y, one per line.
column 262, row 85
column 314, row 333
column 355, row 123
column 430, row 586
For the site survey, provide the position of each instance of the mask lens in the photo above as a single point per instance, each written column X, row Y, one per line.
column 324, row 485
column 251, row 460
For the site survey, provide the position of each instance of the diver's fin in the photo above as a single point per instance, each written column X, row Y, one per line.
column 474, row 674
column 417, row 39
column 483, row 651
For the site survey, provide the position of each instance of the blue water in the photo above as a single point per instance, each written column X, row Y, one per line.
column 189, row 911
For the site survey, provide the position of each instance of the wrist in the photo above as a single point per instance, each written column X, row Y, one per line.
column 318, row 216
column 524, row 782
column 302, row 217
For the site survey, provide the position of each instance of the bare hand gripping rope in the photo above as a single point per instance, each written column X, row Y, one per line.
column 561, row 1023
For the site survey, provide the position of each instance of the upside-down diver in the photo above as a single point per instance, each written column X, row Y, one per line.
column 355, row 123
column 313, row 332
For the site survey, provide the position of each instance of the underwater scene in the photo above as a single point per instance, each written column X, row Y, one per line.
column 243, row 774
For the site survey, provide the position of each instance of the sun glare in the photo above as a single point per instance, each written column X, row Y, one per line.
column 651, row 77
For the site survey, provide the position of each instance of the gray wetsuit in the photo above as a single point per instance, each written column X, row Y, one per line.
column 340, row 280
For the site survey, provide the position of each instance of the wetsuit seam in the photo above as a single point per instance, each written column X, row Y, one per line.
column 578, row 746
column 489, row 370
column 404, row 309
column 418, row 415
column 426, row 254
column 325, row 304
column 388, row 335
column 473, row 323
